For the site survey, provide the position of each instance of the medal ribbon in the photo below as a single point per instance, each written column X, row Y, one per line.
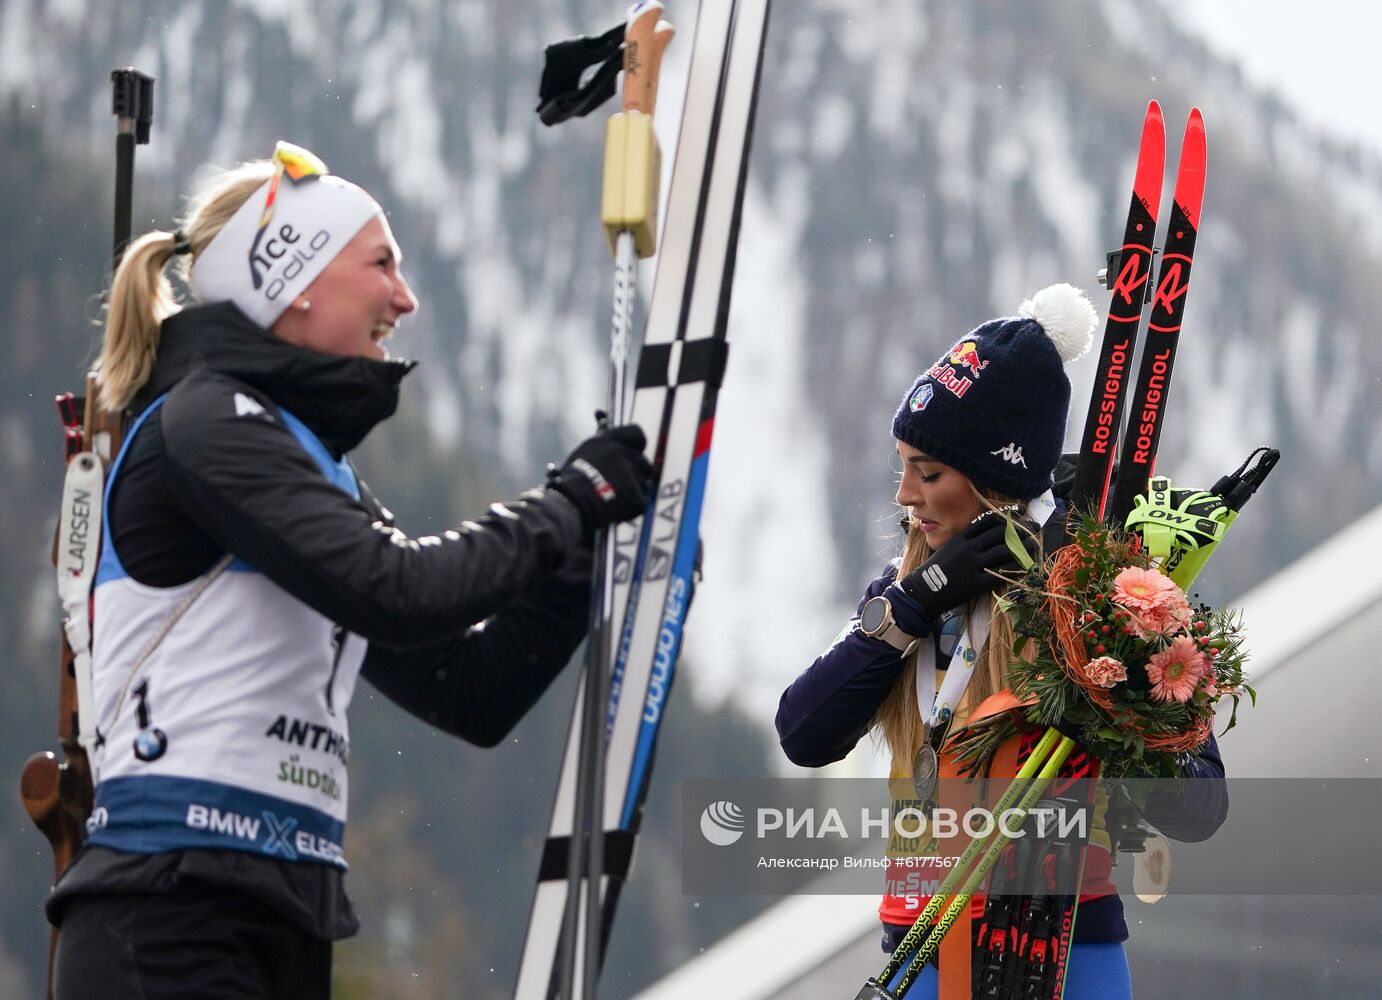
column 937, row 709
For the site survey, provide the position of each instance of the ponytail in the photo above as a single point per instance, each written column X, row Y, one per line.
column 142, row 297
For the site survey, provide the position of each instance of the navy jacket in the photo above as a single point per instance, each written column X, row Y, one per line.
column 828, row 708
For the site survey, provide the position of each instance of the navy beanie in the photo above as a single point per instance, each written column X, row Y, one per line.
column 994, row 405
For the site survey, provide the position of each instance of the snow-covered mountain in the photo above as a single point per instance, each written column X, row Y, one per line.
column 919, row 167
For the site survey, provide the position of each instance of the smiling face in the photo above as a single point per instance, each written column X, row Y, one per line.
column 940, row 500
column 355, row 302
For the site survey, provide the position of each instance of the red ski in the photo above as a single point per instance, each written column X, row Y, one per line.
column 1133, row 265
column 1138, row 457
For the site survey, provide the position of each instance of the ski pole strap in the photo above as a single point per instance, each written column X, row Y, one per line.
column 1232, row 491
column 561, row 95
column 1180, row 528
column 79, row 536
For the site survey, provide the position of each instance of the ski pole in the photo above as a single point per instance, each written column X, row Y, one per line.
column 920, row 930
column 1049, row 768
column 629, row 213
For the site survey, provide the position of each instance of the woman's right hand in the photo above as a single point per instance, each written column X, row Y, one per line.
column 962, row 569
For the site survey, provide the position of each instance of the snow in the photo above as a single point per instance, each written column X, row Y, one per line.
column 1067, row 198
column 766, row 524
column 833, row 127
column 237, row 105
column 17, row 49
column 954, row 139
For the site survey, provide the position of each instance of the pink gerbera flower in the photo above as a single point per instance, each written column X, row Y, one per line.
column 1175, row 672
column 1105, row 671
column 1167, row 618
column 1143, row 589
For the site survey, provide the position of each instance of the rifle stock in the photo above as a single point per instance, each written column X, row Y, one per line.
column 58, row 794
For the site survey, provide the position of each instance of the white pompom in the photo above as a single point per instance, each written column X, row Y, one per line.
column 1067, row 316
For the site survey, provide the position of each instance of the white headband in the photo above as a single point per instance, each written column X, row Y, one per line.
column 282, row 237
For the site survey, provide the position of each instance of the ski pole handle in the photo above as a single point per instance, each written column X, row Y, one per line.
column 633, row 162
column 645, row 39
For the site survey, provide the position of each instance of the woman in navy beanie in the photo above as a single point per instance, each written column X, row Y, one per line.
column 978, row 435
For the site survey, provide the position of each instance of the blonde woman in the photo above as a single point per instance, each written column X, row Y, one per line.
column 978, row 433
column 248, row 577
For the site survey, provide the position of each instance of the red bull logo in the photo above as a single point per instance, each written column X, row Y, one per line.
column 965, row 354
column 945, row 375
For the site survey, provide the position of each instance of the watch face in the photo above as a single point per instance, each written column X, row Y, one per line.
column 874, row 614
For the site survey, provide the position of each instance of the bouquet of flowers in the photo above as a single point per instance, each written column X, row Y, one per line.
column 1109, row 650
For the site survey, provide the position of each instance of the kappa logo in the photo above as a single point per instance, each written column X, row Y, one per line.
column 1011, row 452
column 935, row 578
column 247, row 406
column 921, row 397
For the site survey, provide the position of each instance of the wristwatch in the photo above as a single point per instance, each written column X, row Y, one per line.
column 876, row 622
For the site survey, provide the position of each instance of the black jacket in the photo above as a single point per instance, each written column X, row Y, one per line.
column 465, row 630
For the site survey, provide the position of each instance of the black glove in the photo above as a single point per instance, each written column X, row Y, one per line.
column 959, row 571
column 607, row 477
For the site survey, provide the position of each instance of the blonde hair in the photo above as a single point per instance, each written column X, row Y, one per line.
column 142, row 297
column 897, row 723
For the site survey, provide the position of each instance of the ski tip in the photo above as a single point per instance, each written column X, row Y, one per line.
column 1154, row 130
column 1193, row 162
column 1194, row 125
column 1151, row 161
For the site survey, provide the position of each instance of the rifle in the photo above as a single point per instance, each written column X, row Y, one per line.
column 58, row 795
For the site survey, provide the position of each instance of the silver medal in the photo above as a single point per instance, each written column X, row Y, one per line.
column 924, row 771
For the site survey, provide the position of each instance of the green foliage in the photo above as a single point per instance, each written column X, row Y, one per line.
column 1138, row 633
